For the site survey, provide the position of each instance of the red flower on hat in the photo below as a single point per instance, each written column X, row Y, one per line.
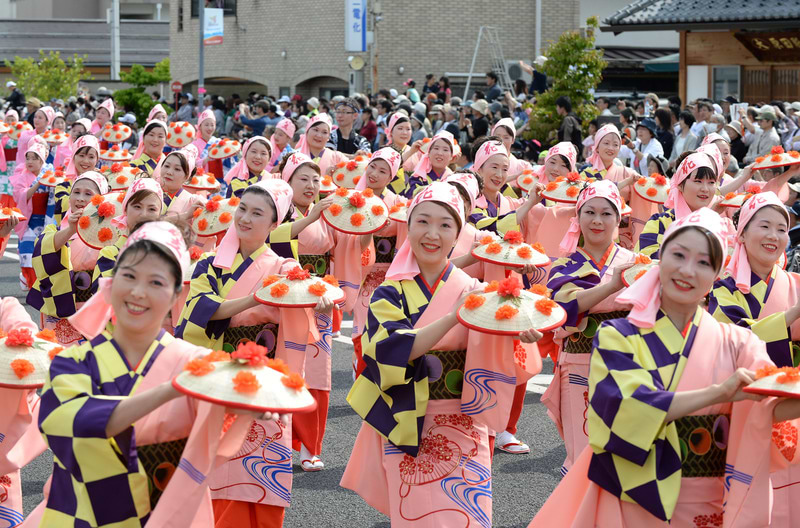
column 195, row 252
column 54, row 352
column 357, row 219
column 573, row 177
column 777, row 150
column 642, row 259
column 6, row 211
column 356, row 179
column 730, row 196
column 212, row 205
column 540, row 289
column 341, row 191
column 22, row 368
column 294, row 381
column 19, row 337
column 197, row 212
column 121, row 179
column 214, row 151
column 199, row 367
column 527, row 180
column 202, row 224
column 660, row 179
column 552, row 186
column 330, row 279
column 298, row 273
column 494, row 248
column 352, row 165
column 106, row 209
column 327, row 181
column 760, row 159
column 538, row 247
column 492, row 286
column 545, row 306
column 652, row 192
column 505, row 312
column 317, row 289
column 369, row 193
column 217, row 355
column 116, row 167
column 776, row 158
column 641, row 181
column 225, row 217
column 211, row 180
column 357, row 200
column 279, row 290
column 335, row 209
column 233, row 201
column 194, row 180
column 513, row 237
column 753, row 189
column 341, row 164
column 509, row 287
column 278, row 364
column 97, row 199
column 84, row 222
column 115, row 148
column 105, row 234
column 524, row 252
column 474, row 301
column 271, row 280
column 250, row 353
column 377, row 210
column 572, row 192
column 245, row 382
column 794, row 154
column 359, row 158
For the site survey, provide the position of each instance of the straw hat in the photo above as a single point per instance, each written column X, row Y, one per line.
column 225, row 148
column 426, row 145
column 356, row 213
column 298, row 289
column 53, row 178
column 653, row 188
column 4, row 128
column 115, row 153
column 774, row 381
column 527, row 181
column 777, row 158
column 626, row 209
column 215, row 217
column 194, row 256
column 8, row 212
column 245, row 379
column 18, row 128
column 326, row 185
column 504, row 308
column 121, row 175
column 55, row 136
column 95, row 227
column 510, row 251
column 180, row 134
column 116, row 133
column 399, row 211
column 565, row 189
column 348, row 173
column 25, row 362
column 639, row 268
column 202, row 181
column 737, row 199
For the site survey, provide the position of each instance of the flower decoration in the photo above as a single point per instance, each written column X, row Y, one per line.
column 279, row 290
column 524, row 252
column 357, row 200
column 789, row 376
column 509, row 287
column 760, row 159
column 355, row 180
column 202, row 225
column 272, row 279
column 486, row 240
column 394, row 209
column 474, row 301
column 330, row 279
column 369, row 193
column 753, row 189
column 540, row 289
column 212, row 205
column 359, row 158
column 660, row 179
column 48, row 335
column 639, row 274
column 340, row 176
column 552, row 186
column 491, row 287
column 251, row 354
column 652, row 192
column 794, row 154
column 335, row 209
column 494, row 248
column 341, row 191
column 357, row 219
column 572, row 192
column 377, row 210
column 505, row 312
column 317, row 289
column 199, row 367
column 777, row 150
column 294, row 381
column 730, row 196
column 116, row 167
column 352, row 165
column 278, row 364
column 195, row 252
column 298, row 273
column 217, row 355
column 6, row 211
column 540, row 248
column 122, row 179
column 22, row 368
column 327, row 181
column 513, row 237
column 234, row 201
column 106, row 209
column 545, row 306
column 54, row 352
column 642, row 259
column 84, row 222
column 105, row 234
column 776, row 158
column 527, row 180
column 19, row 337
column 97, row 199
column 245, row 382
column 225, row 217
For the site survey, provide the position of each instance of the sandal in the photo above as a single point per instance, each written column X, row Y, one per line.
column 508, row 443
column 309, row 466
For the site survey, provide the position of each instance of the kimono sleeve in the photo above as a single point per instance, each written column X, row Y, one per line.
column 61, row 194
column 567, row 279
column 106, row 261
column 652, row 235
column 281, row 242
column 413, row 186
column 627, row 412
column 52, row 292
column 237, row 186
column 204, row 299
column 73, row 417
column 496, row 224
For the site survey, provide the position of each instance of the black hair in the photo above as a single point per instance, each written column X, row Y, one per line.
column 675, row 100
column 687, row 118
column 663, row 119
column 564, row 102
column 676, row 111
column 492, row 75
column 255, row 189
column 628, row 114
column 83, row 150
column 150, row 126
column 605, row 99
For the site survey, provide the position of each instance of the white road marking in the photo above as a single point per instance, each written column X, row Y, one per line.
column 539, row 383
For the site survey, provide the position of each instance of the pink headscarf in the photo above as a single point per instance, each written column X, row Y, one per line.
column 93, row 316
column 508, row 123
column 675, row 198
column 95, row 177
column 40, row 149
column 49, row 113
column 108, row 105
column 424, row 165
column 397, row 116
column 287, row 127
column 12, row 112
column 281, row 194
column 189, row 153
column 208, row 113
column 147, row 128
column 713, row 150
column 712, row 137
column 468, row 182
column 292, row 163
column 156, row 110
column 645, row 293
column 302, row 144
column 595, row 159
column 142, row 184
column 240, row 170
column 739, row 266
column 566, row 149
column 387, row 154
column 404, row 266
column 83, row 141
column 85, row 123
column 486, row 151
column 597, row 189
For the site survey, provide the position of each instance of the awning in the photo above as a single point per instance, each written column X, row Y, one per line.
column 667, row 63
column 626, row 58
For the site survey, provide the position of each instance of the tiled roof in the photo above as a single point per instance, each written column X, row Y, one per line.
column 705, row 12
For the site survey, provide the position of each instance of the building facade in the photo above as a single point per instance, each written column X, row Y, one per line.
column 301, row 49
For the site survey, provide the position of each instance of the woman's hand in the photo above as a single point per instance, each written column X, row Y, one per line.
column 324, row 305
column 8, row 225
column 616, row 276
column 72, row 221
column 730, row 390
column 320, row 206
column 530, row 336
column 258, row 415
column 527, row 269
column 416, row 146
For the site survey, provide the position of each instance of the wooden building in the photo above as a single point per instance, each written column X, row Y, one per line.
column 746, row 48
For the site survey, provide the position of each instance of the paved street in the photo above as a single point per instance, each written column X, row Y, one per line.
column 521, row 483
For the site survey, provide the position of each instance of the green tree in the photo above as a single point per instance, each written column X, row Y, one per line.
column 576, row 68
column 49, row 76
column 136, row 99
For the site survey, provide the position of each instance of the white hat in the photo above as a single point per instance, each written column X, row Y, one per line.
column 795, row 106
column 313, row 102
column 284, row 99
column 128, row 118
column 717, row 108
column 10, row 84
column 393, row 93
column 401, row 99
column 420, row 108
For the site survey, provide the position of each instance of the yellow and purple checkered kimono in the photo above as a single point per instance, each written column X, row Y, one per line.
column 107, row 260
column 53, row 292
column 237, row 185
column 61, row 194
column 145, row 163
column 97, row 481
column 650, row 239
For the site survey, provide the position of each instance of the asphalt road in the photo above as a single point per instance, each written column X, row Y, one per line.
column 521, row 482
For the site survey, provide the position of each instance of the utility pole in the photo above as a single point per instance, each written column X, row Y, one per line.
column 114, row 40
column 376, row 18
column 201, row 90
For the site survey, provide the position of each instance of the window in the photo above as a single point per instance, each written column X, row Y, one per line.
column 725, row 82
column 180, row 16
column 284, row 90
column 228, row 6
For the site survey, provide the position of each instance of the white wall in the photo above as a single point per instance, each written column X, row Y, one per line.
column 696, row 82
column 633, row 39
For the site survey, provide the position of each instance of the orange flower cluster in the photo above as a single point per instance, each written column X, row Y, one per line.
column 47, row 334
column 105, row 234
column 279, row 290
column 730, row 196
column 352, row 165
column 225, row 217
column 97, row 199
column 492, row 286
column 278, row 364
column 341, row 191
column 573, row 177
column 197, row 212
column 377, row 210
column 199, row 367
column 474, row 301
column 545, row 306
column 777, row 150
column 19, row 337
column 355, row 180
column 359, row 158
column 195, row 252
column 202, row 225
column 789, row 377
column 494, row 248
column 217, row 355
column 527, row 180
column 524, row 252
column 513, row 237
column 767, row 370
column 212, row 205
column 298, row 273
column 357, row 219
column 22, row 368
column 54, row 352
column 294, row 381
column 106, row 209
column 341, row 164
column 340, row 176
column 505, row 312
column 7, row 211
column 660, row 179
column 572, row 192
column 641, row 181
column 509, row 287
column 122, row 179
column 330, row 279
column 116, row 167
column 760, row 159
column 317, row 289
column 233, row 201
column 552, row 186
column 794, row 154
column 486, row 240
column 335, row 209
column 642, row 259
column 540, row 248
column 357, row 200
column 776, row 158
column 540, row 289
column 251, row 353
column 327, row 181
column 245, row 382
column 394, row 209
column 651, row 192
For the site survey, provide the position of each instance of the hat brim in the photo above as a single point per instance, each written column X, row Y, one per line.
column 630, row 274
column 769, row 386
column 218, row 152
column 117, row 155
column 47, row 182
column 17, row 132
column 400, row 216
column 662, row 191
column 298, row 295
column 116, row 136
column 560, row 194
column 19, row 216
column 203, row 183
column 214, row 225
column 55, row 139
column 482, row 318
column 786, row 160
column 508, row 256
column 371, row 222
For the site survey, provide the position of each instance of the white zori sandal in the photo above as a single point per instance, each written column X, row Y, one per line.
column 508, row 443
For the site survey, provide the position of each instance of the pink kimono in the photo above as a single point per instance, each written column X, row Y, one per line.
column 741, row 499
column 18, row 424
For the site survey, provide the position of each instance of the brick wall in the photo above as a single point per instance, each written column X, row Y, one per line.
column 423, row 37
